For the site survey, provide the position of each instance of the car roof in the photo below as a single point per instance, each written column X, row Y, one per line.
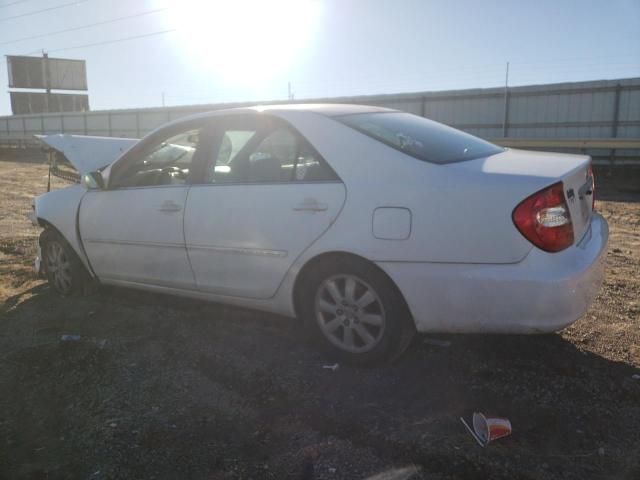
column 327, row 109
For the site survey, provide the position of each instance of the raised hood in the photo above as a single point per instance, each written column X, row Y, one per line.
column 87, row 153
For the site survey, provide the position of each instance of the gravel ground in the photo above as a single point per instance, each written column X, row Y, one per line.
column 159, row 387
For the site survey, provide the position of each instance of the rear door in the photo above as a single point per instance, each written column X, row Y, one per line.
column 133, row 230
column 264, row 197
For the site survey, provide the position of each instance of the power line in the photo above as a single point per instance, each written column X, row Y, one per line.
column 73, row 29
column 117, row 40
column 14, row 3
column 57, row 7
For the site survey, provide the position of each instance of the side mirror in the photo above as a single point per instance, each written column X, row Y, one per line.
column 92, row 181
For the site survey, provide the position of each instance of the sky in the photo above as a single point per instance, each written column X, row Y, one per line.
column 210, row 51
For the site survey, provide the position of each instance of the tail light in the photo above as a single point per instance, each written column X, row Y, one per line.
column 591, row 177
column 544, row 219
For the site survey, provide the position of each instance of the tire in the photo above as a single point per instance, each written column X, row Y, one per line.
column 355, row 312
column 65, row 272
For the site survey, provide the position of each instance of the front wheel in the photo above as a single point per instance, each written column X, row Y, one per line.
column 356, row 312
column 64, row 270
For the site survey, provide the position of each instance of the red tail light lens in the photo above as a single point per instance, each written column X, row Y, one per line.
column 544, row 219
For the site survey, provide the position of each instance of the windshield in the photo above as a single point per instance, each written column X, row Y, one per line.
column 419, row 137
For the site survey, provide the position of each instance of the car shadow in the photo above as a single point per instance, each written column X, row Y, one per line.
column 574, row 413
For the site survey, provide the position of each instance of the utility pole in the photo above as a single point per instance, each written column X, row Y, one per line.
column 163, row 99
column 289, row 92
column 505, row 119
column 47, row 80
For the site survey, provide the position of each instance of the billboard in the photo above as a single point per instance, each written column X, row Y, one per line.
column 31, row 72
column 37, row 102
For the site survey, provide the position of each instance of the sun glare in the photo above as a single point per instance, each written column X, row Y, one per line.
column 244, row 41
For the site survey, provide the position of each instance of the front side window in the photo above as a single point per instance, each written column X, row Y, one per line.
column 265, row 154
column 166, row 162
column 419, row 137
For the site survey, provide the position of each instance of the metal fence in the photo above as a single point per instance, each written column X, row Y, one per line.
column 601, row 118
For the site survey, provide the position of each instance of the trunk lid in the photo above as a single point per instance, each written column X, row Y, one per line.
column 537, row 170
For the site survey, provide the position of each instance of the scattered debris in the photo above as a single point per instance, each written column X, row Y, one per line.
column 487, row 429
column 100, row 343
column 437, row 343
column 333, row 367
column 403, row 473
column 70, row 338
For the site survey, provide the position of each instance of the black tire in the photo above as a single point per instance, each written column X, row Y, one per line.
column 391, row 338
column 64, row 270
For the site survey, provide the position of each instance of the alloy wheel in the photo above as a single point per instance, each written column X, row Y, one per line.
column 350, row 313
column 59, row 266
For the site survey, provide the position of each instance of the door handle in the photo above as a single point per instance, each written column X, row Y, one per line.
column 169, row 207
column 311, row 205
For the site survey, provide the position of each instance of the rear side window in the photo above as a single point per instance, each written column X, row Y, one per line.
column 265, row 152
column 419, row 137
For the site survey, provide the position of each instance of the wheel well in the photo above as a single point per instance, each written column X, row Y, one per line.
column 44, row 224
column 48, row 225
column 333, row 256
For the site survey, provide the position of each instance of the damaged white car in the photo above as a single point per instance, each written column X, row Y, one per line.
column 368, row 224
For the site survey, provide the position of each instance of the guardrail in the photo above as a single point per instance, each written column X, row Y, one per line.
column 574, row 143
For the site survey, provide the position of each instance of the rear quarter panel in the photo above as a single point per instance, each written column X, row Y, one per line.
column 458, row 215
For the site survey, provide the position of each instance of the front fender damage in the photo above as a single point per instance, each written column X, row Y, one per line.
column 59, row 209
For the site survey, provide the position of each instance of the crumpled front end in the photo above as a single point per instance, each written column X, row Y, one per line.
column 59, row 210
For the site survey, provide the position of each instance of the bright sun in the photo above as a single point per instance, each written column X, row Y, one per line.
column 244, row 41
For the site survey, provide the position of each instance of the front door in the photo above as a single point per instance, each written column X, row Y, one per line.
column 132, row 231
column 266, row 196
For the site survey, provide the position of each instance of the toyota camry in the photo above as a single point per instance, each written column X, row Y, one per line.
column 367, row 224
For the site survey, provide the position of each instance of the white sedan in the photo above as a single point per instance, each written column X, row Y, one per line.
column 367, row 224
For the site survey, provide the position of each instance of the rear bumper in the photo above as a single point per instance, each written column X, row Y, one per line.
column 543, row 293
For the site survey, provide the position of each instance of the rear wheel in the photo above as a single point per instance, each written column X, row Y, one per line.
column 64, row 270
column 355, row 311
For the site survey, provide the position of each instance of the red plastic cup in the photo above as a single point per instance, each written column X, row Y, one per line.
column 489, row 429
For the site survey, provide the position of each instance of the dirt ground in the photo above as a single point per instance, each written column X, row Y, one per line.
column 165, row 388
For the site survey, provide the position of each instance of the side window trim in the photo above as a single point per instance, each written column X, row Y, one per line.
column 257, row 184
column 296, row 157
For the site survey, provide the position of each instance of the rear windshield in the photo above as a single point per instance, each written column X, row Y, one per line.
column 424, row 139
